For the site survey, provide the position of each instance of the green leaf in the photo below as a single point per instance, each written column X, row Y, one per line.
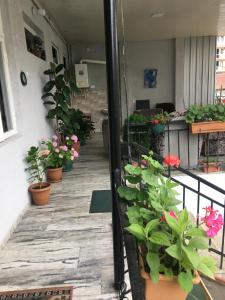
column 49, row 86
column 157, row 206
column 185, row 281
column 149, row 178
column 146, row 213
column 195, row 232
column 49, row 102
column 59, row 83
column 207, row 266
column 133, row 213
column 137, row 231
column 132, row 170
column 66, row 91
column 48, row 72
column 173, row 224
column 151, row 225
column 132, row 179
column 199, row 243
column 160, row 238
column 168, row 272
column 128, row 193
column 51, row 114
column 58, row 97
column 192, row 256
column 142, row 195
column 174, row 251
column 47, row 95
column 153, row 263
column 59, row 68
column 183, row 219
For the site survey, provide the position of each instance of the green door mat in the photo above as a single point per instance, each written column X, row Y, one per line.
column 101, row 202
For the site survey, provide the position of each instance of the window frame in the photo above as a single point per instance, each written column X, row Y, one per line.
column 7, row 94
column 57, row 51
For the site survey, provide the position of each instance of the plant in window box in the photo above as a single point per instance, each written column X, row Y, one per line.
column 206, row 118
column 167, row 240
column 39, row 190
column 58, row 156
column 157, row 123
column 210, row 165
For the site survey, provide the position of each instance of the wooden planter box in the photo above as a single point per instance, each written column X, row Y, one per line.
column 211, row 167
column 207, row 127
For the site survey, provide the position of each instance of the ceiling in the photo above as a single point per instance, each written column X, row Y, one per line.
column 83, row 20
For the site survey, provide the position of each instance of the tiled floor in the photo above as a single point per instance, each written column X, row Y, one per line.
column 62, row 243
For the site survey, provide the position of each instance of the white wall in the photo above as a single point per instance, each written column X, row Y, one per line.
column 30, row 112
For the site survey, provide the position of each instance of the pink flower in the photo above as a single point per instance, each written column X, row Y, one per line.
column 57, row 150
column 65, row 148
column 213, row 221
column 173, row 215
column 44, row 152
column 55, row 137
column 75, row 154
column 74, row 138
column 54, row 144
column 172, row 160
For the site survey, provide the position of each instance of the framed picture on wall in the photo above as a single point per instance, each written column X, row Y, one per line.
column 150, row 78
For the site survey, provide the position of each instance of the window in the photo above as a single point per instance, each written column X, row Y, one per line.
column 7, row 116
column 34, row 38
column 55, row 54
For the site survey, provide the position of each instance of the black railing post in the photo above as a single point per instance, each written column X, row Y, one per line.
column 114, row 113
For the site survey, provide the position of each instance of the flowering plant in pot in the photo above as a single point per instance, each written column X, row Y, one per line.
column 58, row 155
column 40, row 189
column 157, row 122
column 168, row 241
column 70, row 152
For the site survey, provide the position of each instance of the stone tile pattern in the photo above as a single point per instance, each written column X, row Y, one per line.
column 92, row 102
column 61, row 243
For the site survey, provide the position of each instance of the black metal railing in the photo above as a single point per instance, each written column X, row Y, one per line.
column 196, row 192
column 177, row 139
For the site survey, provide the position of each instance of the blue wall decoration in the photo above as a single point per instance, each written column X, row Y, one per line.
column 150, row 78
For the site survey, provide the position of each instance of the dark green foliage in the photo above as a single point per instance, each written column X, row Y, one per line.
column 205, row 113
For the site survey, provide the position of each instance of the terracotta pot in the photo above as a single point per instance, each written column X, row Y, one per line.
column 76, row 146
column 54, row 175
column 211, row 167
column 40, row 196
column 166, row 288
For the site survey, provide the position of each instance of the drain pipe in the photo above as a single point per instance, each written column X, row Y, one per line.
column 114, row 113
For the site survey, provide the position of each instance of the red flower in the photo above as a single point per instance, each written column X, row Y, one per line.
column 156, row 121
column 172, row 161
column 213, row 221
column 172, row 214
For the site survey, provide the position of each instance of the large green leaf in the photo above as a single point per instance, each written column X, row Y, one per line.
column 132, row 179
column 195, row 232
column 151, row 225
column 66, row 91
column 174, row 251
column 157, row 206
column 192, row 256
column 183, row 219
column 49, row 86
column 133, row 213
column 207, row 266
column 132, row 170
column 185, row 281
column 153, row 263
column 146, row 213
column 160, row 238
column 48, row 72
column 142, row 195
column 137, row 231
column 49, row 102
column 51, row 114
column 58, row 97
column 59, row 83
column 149, row 178
column 59, row 68
column 128, row 193
column 199, row 242
column 47, row 95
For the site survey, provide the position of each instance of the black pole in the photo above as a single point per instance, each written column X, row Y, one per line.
column 113, row 84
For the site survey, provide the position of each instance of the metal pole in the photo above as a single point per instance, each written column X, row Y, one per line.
column 114, row 113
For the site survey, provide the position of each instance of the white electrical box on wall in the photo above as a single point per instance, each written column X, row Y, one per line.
column 81, row 72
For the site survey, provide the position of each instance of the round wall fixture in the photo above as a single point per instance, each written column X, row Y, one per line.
column 23, row 78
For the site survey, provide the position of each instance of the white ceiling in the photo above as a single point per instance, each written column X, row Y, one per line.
column 83, row 20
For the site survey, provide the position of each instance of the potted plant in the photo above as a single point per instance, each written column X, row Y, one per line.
column 210, row 165
column 58, row 92
column 206, row 118
column 168, row 242
column 71, row 153
column 157, row 123
column 39, row 190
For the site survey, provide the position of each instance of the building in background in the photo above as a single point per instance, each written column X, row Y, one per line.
column 220, row 68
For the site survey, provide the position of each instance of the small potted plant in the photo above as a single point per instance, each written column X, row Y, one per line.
column 206, row 118
column 70, row 152
column 210, row 165
column 168, row 242
column 157, row 123
column 39, row 190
